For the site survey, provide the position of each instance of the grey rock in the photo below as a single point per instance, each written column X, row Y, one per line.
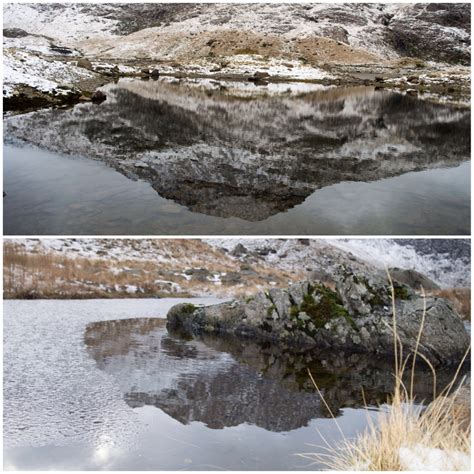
column 14, row 33
column 98, row 96
column 199, row 274
column 238, row 250
column 231, row 278
column 261, row 75
column 354, row 317
column 413, row 279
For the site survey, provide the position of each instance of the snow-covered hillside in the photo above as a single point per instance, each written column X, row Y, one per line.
column 382, row 30
column 297, row 41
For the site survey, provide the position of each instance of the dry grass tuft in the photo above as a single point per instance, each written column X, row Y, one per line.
column 460, row 298
column 401, row 432
column 404, row 436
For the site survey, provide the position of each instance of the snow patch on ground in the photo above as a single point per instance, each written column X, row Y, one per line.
column 251, row 64
column 21, row 67
column 422, row 458
column 65, row 22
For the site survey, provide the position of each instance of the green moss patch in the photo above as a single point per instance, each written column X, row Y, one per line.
column 188, row 308
column 321, row 304
column 401, row 292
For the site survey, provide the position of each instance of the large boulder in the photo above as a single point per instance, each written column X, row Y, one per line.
column 413, row 279
column 354, row 315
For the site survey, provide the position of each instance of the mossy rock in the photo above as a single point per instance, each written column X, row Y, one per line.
column 321, row 305
column 188, row 308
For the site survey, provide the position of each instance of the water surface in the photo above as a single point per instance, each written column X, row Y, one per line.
column 101, row 384
column 53, row 194
column 205, row 157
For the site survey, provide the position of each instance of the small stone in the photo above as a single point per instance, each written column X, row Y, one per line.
column 85, row 63
column 98, row 96
column 303, row 316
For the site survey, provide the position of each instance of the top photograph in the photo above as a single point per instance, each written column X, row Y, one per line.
column 236, row 119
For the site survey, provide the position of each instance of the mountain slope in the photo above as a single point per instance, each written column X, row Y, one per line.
column 332, row 43
column 381, row 30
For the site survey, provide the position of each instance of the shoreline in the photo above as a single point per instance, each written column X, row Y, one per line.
column 438, row 84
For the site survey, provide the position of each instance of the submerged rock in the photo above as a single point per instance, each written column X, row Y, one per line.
column 354, row 315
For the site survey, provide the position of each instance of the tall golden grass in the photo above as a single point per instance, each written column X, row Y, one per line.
column 29, row 274
column 402, row 429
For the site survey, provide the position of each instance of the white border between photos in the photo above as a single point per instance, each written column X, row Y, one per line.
column 256, row 237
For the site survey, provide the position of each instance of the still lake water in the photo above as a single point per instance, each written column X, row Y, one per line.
column 101, row 384
column 205, row 158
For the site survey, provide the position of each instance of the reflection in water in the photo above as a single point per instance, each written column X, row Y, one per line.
column 80, row 394
column 225, row 383
column 228, row 154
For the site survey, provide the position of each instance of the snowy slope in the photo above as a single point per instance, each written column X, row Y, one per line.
column 383, row 30
column 64, row 22
column 445, row 261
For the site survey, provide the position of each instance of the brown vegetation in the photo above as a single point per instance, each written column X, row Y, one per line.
column 315, row 50
column 189, row 268
column 460, row 298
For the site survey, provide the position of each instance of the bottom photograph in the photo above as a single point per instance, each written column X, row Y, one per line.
column 236, row 354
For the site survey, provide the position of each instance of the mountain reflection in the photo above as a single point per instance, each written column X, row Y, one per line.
column 223, row 382
column 224, row 153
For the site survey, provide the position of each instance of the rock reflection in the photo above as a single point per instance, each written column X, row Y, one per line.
column 224, row 383
column 224, row 153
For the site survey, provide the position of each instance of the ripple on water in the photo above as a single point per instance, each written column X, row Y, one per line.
column 54, row 394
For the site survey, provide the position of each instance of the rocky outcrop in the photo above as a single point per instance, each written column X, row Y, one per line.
column 14, row 33
column 353, row 315
column 403, row 32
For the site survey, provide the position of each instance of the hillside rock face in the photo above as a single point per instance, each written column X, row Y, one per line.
column 353, row 314
column 404, row 32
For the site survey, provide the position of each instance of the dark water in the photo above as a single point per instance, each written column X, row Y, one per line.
column 59, row 195
column 225, row 159
column 101, row 384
